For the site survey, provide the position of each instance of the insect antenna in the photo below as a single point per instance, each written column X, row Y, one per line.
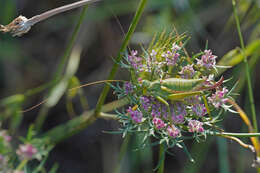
column 71, row 89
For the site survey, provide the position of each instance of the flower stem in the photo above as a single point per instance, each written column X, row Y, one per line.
column 22, row 164
column 113, row 71
column 249, row 83
column 123, row 150
column 161, row 159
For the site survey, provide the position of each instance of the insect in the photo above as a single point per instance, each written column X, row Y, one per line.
column 22, row 25
column 176, row 89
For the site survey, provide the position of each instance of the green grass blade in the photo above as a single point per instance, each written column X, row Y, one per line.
column 113, row 71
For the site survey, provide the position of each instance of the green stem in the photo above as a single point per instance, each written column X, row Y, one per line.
column 22, row 164
column 249, row 83
column 113, row 71
column 122, row 153
column 161, row 159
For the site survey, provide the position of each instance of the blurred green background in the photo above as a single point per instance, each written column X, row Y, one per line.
column 33, row 60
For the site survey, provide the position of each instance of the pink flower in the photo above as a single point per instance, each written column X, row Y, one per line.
column 199, row 109
column 195, row 126
column 207, row 60
column 135, row 61
column 173, row 131
column 187, row 72
column 159, row 124
column 26, row 151
column 6, row 137
column 218, row 99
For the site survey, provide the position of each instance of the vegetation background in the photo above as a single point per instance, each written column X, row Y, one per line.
column 34, row 59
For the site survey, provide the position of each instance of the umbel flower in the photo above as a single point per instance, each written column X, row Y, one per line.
column 26, row 151
column 172, row 97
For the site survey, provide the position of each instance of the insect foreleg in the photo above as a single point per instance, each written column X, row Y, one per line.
column 160, row 99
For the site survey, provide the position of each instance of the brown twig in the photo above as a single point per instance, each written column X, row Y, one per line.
column 22, row 25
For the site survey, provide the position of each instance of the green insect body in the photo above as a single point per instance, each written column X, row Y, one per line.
column 174, row 89
column 177, row 84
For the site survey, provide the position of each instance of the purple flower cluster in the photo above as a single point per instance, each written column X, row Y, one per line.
column 6, row 137
column 163, row 71
column 207, row 60
column 187, row 72
column 195, row 126
column 158, row 123
column 136, row 115
column 135, row 61
column 151, row 104
column 146, row 102
column 171, row 57
column 178, row 111
column 218, row 99
column 128, row 88
column 173, row 131
column 26, row 151
column 199, row 109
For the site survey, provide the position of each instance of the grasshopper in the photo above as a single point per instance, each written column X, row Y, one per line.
column 176, row 89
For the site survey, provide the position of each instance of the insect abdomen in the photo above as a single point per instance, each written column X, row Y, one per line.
column 178, row 84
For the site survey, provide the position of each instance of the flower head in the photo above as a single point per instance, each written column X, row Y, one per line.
column 146, row 102
column 218, row 99
column 199, row 109
column 175, row 47
column 5, row 136
column 195, row 126
column 187, row 72
column 178, row 113
column 207, row 60
column 156, row 112
column 135, row 61
column 128, row 88
column 170, row 57
column 158, row 123
column 26, row 151
column 173, row 131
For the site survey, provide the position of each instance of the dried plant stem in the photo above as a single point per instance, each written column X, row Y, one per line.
column 245, row 118
column 50, row 13
column 247, row 146
column 22, row 25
